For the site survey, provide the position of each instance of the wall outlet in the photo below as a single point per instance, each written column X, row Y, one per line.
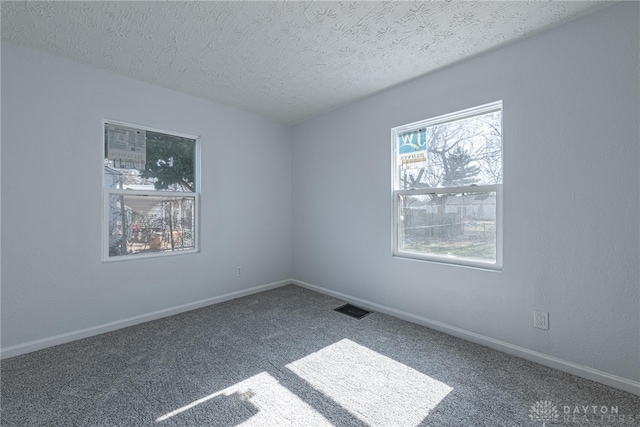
column 540, row 319
column 238, row 271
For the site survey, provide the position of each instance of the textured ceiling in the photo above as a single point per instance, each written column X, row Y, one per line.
column 285, row 60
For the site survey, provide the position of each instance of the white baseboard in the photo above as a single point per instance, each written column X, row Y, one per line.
column 534, row 356
column 16, row 350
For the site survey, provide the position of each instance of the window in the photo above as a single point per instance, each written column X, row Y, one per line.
column 150, row 192
column 447, row 188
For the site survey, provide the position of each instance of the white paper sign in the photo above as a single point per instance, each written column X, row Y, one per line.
column 126, row 146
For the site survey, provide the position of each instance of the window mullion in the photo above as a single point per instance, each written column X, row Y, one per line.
column 447, row 190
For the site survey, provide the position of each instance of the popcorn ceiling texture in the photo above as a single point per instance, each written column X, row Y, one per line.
column 285, row 60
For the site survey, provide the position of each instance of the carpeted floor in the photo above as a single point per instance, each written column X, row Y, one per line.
column 285, row 358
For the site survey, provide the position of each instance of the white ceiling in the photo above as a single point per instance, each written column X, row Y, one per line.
column 285, row 60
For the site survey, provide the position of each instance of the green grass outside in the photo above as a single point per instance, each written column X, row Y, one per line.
column 476, row 243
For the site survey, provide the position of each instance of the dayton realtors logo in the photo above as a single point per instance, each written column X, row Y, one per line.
column 602, row 414
column 544, row 411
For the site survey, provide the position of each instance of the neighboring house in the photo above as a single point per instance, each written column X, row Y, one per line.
column 474, row 207
column 145, row 220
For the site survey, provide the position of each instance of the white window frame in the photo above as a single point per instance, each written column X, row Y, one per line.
column 397, row 192
column 107, row 192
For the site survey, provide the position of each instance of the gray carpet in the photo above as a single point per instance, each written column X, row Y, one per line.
column 285, row 357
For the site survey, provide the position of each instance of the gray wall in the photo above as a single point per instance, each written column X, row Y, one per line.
column 571, row 205
column 53, row 280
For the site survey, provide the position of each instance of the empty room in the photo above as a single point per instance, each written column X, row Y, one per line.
column 224, row 213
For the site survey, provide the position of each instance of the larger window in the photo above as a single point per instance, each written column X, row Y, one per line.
column 150, row 192
column 447, row 188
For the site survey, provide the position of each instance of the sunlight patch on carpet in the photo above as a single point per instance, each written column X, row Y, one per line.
column 374, row 388
column 257, row 401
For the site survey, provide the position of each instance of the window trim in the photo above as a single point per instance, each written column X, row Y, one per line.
column 107, row 192
column 396, row 192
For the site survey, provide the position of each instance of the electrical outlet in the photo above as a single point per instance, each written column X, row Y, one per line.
column 238, row 271
column 540, row 319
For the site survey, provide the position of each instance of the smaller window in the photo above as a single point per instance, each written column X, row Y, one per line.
column 447, row 188
column 150, row 192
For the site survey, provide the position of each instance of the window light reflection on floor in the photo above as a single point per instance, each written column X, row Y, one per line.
column 353, row 379
column 374, row 388
column 265, row 402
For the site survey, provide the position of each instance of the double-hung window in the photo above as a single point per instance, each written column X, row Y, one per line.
column 150, row 186
column 447, row 188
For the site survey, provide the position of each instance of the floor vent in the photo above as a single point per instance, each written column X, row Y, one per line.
column 353, row 311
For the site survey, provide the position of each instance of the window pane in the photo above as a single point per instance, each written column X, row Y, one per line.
column 455, row 225
column 143, row 160
column 452, row 154
column 150, row 224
